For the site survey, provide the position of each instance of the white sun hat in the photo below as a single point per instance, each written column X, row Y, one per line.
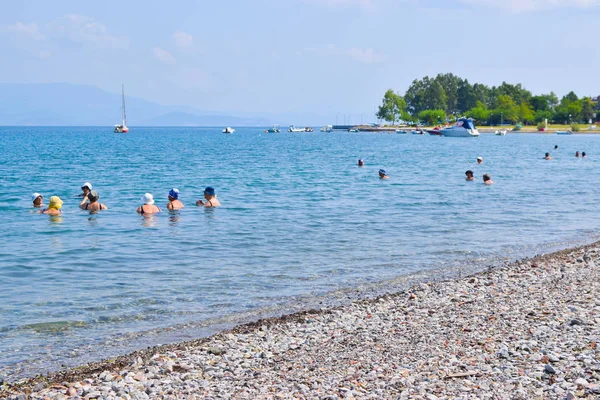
column 148, row 199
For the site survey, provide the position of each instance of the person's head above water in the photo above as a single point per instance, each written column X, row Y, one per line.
column 479, row 160
column 583, row 154
column 360, row 162
column 469, row 175
column 555, row 146
column 148, row 199
column 55, row 203
column 93, row 196
column 173, row 194
column 37, row 199
column 382, row 173
column 209, row 191
column 487, row 177
column 577, row 154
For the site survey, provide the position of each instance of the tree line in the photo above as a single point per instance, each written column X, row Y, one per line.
column 447, row 96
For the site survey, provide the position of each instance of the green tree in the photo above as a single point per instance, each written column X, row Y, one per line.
column 539, row 103
column 541, row 116
column 507, row 109
column 450, row 83
column 392, row 107
column 479, row 113
column 435, row 97
column 526, row 114
column 433, row 117
column 587, row 109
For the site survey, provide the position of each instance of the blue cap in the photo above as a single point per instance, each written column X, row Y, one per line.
column 174, row 193
column 382, row 171
column 209, row 191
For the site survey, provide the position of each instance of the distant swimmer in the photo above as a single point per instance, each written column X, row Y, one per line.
column 361, row 162
column 148, row 207
column 487, row 179
column 583, row 154
column 54, row 206
column 174, row 203
column 211, row 198
column 555, row 146
column 382, row 174
column 93, row 205
column 577, row 154
column 38, row 200
column 547, row 156
column 469, row 175
column 85, row 188
column 479, row 160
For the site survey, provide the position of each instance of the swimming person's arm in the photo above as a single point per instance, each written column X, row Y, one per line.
column 83, row 204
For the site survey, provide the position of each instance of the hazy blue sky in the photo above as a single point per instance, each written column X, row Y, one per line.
column 322, row 56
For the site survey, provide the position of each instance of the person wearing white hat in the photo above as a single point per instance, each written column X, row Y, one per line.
column 479, row 160
column 85, row 188
column 148, row 207
column 37, row 199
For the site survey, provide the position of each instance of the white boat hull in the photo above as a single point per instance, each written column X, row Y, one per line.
column 452, row 132
column 228, row 130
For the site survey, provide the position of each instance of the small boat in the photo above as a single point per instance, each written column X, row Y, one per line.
column 123, row 127
column 229, row 130
column 464, row 127
column 435, row 132
column 401, row 132
column 500, row 132
column 308, row 129
column 569, row 132
column 292, row 128
column 353, row 130
column 274, row 129
column 418, row 132
column 326, row 128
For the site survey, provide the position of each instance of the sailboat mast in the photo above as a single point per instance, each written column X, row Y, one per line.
column 123, row 106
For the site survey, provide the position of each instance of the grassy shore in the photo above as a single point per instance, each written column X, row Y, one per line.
column 524, row 331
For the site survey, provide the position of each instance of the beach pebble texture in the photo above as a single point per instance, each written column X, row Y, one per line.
column 525, row 331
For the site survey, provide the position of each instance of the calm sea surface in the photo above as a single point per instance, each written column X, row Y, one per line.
column 299, row 220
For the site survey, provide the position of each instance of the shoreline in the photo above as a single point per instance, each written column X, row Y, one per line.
column 497, row 332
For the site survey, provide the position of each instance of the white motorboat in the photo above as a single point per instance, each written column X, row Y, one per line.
column 292, row 128
column 464, row 127
column 327, row 128
column 418, row 132
column 274, row 129
column 353, row 130
column 501, row 132
column 229, row 130
column 123, row 127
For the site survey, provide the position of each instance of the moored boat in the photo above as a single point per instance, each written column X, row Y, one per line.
column 326, row 128
column 273, row 129
column 123, row 127
column 569, row 132
column 292, row 128
column 500, row 132
column 464, row 127
column 229, row 130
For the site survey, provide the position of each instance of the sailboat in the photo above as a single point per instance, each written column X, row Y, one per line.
column 123, row 127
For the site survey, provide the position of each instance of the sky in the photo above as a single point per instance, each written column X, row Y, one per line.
column 328, row 57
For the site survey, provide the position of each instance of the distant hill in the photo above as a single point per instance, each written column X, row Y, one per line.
column 80, row 105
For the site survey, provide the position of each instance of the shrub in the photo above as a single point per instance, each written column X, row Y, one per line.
column 541, row 126
column 575, row 127
column 517, row 127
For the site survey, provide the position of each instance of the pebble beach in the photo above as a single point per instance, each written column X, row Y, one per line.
column 528, row 330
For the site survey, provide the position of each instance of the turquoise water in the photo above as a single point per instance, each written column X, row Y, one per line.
column 299, row 219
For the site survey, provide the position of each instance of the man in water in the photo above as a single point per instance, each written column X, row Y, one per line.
column 577, row 153
column 487, row 179
column 37, row 199
column 547, row 156
column 211, row 198
column 583, row 154
column 555, row 146
column 469, row 175
column 361, row 162
column 85, row 189
column 479, row 160
column 382, row 174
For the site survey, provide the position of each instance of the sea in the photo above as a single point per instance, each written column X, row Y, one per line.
column 301, row 226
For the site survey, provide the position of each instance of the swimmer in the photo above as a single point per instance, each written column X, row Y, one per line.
column 583, row 154
column 555, row 146
column 547, row 156
column 38, row 200
column 54, row 206
column 382, row 174
column 85, row 189
column 148, row 207
column 361, row 162
column 469, row 175
column 479, row 160
column 211, row 198
column 93, row 205
column 577, row 153
column 174, row 203
column 487, row 179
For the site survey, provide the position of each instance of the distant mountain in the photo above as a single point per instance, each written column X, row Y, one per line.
column 80, row 105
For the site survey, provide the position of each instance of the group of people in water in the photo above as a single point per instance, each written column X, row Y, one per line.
column 90, row 201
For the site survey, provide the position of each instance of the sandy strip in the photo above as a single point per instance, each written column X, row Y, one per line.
column 525, row 331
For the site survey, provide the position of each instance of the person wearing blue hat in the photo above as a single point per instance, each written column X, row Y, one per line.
column 174, row 203
column 382, row 174
column 211, row 198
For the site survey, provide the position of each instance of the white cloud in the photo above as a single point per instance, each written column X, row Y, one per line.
column 82, row 29
column 32, row 30
column 533, row 5
column 183, row 39
column 163, row 56
column 363, row 55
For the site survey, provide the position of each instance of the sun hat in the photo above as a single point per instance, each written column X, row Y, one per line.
column 479, row 159
column 174, row 193
column 148, row 199
column 93, row 195
column 209, row 191
column 55, row 202
column 87, row 185
column 382, row 171
column 35, row 196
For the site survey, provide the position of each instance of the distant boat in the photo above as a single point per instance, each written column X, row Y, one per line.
column 418, row 132
column 123, row 127
column 308, row 129
column 292, row 128
column 435, row 132
column 327, row 128
column 564, row 132
column 229, row 130
column 464, row 127
column 500, row 132
column 274, row 129
column 353, row 130
column 401, row 131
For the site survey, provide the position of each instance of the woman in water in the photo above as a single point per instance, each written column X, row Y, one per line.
column 174, row 203
column 93, row 205
column 38, row 200
column 487, row 179
column 211, row 198
column 54, row 206
column 148, row 207
column 469, row 175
